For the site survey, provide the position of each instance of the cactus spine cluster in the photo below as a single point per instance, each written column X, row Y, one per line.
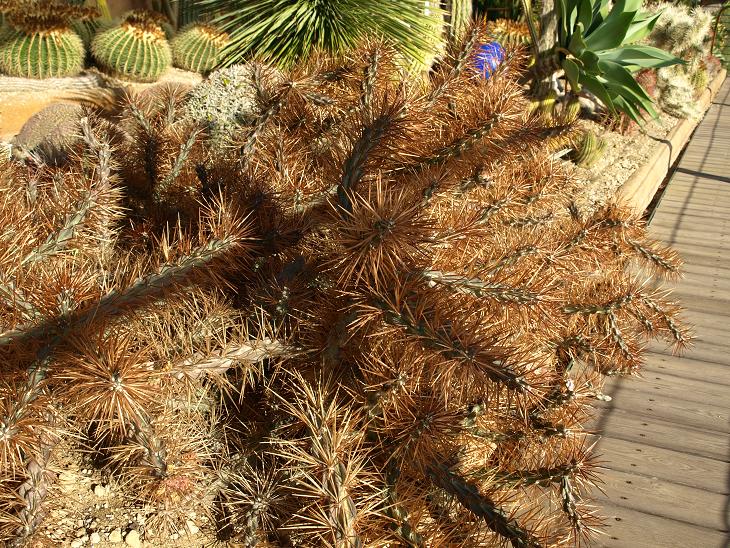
column 198, row 48
column 38, row 41
column 137, row 48
column 374, row 319
column 510, row 33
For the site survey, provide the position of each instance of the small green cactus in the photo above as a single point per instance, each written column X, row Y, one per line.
column 570, row 111
column 589, row 149
column 38, row 41
column 198, row 48
column 136, row 49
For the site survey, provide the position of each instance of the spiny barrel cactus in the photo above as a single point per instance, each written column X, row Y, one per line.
column 38, row 41
column 136, row 49
column 198, row 48
column 386, row 326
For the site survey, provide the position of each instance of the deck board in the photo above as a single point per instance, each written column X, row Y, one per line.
column 666, row 436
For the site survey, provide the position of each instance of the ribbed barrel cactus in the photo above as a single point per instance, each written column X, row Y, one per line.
column 198, row 48
column 137, row 48
column 37, row 40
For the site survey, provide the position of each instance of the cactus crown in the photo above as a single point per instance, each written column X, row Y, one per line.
column 46, row 17
column 146, row 24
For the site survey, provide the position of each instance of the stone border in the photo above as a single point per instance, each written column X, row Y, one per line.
column 639, row 189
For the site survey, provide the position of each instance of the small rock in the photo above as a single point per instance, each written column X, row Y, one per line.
column 174, row 536
column 95, row 538
column 132, row 539
column 100, row 491
column 66, row 477
column 116, row 535
column 191, row 527
column 80, row 532
column 78, row 543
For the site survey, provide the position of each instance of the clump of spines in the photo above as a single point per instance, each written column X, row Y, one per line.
column 509, row 33
column 136, row 48
column 198, row 48
column 38, row 41
column 411, row 354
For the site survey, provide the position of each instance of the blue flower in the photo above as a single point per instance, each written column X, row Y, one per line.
column 488, row 58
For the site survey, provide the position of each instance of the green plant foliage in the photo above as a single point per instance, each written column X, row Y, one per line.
column 598, row 49
column 509, row 33
column 41, row 55
column 589, row 149
column 137, row 48
column 37, row 40
column 198, row 48
column 284, row 31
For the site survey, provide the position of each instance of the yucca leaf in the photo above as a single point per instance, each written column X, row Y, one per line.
column 641, row 27
column 639, row 56
column 285, row 31
column 612, row 33
column 598, row 89
column 572, row 72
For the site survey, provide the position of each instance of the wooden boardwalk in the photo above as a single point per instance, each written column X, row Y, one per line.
column 666, row 437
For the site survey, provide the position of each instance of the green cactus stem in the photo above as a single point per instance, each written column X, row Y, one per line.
column 136, row 49
column 40, row 54
column 38, row 40
column 198, row 48
column 589, row 149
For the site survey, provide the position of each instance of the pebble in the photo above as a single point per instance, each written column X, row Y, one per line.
column 99, row 490
column 132, row 539
column 80, row 532
column 66, row 477
column 174, row 536
column 78, row 543
column 116, row 535
column 95, row 538
column 191, row 527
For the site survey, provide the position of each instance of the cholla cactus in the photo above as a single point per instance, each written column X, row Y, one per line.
column 683, row 31
column 198, row 48
column 677, row 93
column 137, row 48
column 407, row 356
column 38, row 41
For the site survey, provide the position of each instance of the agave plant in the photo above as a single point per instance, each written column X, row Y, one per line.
column 598, row 49
column 285, row 31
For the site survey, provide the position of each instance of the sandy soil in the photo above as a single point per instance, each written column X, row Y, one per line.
column 95, row 511
column 623, row 155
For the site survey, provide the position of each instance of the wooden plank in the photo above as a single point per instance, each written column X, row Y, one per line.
column 670, row 466
column 697, row 390
column 627, row 426
column 670, row 500
column 627, row 528
column 687, row 367
column 644, row 403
